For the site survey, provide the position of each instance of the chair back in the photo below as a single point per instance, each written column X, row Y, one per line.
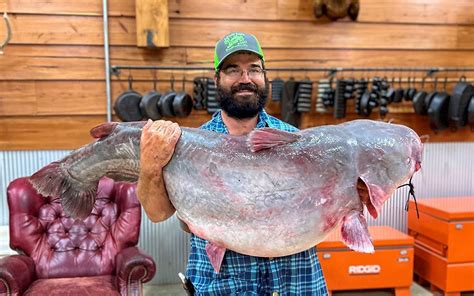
column 64, row 247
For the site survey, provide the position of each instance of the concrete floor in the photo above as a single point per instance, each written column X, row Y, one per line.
column 177, row 290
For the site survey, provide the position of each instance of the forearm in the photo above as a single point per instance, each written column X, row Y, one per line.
column 157, row 144
column 152, row 194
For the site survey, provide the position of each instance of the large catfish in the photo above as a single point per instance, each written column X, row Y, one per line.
column 270, row 193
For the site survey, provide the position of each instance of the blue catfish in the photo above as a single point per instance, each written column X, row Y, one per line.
column 269, row 193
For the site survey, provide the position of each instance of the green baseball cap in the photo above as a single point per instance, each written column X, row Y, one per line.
column 233, row 42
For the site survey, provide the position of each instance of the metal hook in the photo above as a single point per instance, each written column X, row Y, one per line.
column 172, row 81
column 155, row 79
column 423, row 82
column 435, row 84
column 432, row 71
column 130, row 80
column 9, row 32
column 332, row 72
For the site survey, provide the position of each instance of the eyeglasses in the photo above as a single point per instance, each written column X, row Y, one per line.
column 236, row 73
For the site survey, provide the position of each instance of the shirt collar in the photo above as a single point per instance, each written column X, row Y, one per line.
column 263, row 120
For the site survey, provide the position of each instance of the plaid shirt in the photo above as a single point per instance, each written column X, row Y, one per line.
column 298, row 274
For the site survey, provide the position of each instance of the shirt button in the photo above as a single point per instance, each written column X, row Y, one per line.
column 270, row 258
column 275, row 293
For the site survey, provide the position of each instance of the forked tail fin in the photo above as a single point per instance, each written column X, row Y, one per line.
column 76, row 198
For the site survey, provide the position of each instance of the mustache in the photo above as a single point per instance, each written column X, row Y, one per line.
column 244, row 86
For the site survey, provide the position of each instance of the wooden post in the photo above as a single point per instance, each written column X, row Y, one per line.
column 152, row 23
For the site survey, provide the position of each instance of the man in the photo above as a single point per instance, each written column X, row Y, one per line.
column 242, row 91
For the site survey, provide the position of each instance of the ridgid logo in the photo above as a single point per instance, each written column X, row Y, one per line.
column 364, row 269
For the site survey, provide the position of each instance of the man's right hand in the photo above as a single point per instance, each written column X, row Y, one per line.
column 157, row 144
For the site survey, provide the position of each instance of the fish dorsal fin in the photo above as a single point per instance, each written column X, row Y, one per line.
column 266, row 138
column 215, row 255
column 103, row 130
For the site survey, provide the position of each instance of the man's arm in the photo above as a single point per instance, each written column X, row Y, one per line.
column 157, row 144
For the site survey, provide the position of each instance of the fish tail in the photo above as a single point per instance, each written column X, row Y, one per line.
column 76, row 198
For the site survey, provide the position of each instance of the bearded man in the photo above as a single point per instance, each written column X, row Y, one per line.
column 242, row 84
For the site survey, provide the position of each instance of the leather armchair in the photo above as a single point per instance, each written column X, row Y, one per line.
column 62, row 256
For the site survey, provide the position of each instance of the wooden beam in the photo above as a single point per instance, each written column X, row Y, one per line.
column 152, row 23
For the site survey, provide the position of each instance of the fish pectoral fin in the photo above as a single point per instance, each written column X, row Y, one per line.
column 266, row 138
column 215, row 255
column 365, row 195
column 377, row 197
column 103, row 130
column 355, row 233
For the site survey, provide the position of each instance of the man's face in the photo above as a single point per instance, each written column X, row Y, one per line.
column 241, row 85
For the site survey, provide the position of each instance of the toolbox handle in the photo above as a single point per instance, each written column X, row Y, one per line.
column 419, row 241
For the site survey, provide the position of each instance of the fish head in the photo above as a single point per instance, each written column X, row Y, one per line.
column 386, row 161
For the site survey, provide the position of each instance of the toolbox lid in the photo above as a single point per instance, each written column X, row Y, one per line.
column 382, row 236
column 447, row 208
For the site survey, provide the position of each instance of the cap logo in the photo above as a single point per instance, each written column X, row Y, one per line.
column 235, row 40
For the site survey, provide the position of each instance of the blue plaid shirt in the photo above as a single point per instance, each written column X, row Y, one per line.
column 298, row 274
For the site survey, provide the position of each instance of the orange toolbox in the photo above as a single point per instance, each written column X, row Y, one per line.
column 444, row 243
column 390, row 267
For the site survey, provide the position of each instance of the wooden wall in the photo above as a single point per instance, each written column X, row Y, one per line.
column 52, row 77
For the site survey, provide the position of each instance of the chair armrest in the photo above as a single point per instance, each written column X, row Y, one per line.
column 17, row 273
column 133, row 268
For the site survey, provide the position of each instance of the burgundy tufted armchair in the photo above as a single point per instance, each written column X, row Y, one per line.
column 63, row 256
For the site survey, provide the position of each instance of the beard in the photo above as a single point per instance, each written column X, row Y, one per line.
column 242, row 107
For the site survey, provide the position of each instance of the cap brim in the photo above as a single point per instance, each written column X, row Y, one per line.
column 236, row 51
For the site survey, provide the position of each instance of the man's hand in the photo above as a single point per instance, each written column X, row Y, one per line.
column 157, row 144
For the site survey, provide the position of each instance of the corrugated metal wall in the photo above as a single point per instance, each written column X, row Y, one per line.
column 447, row 171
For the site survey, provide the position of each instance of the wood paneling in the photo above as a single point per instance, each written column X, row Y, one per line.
column 83, row 63
column 283, row 57
column 41, row 133
column 381, row 11
column 17, row 98
column 24, row 62
column 52, row 78
column 50, row 29
column 58, row 132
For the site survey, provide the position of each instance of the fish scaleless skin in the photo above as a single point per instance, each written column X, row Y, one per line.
column 285, row 199
column 268, row 194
